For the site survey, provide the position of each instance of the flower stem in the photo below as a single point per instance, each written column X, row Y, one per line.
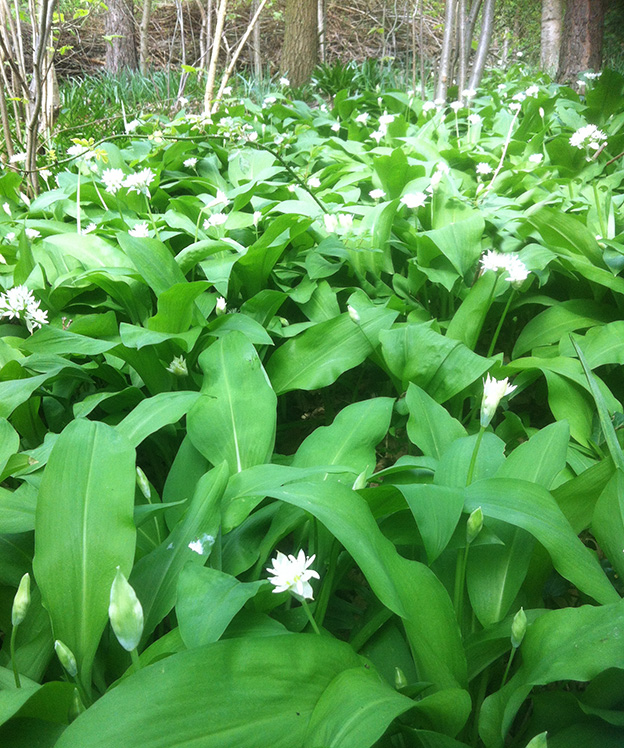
column 135, row 660
column 509, row 661
column 473, row 459
column 460, row 583
column 151, row 215
column 18, row 683
column 500, row 322
column 306, row 607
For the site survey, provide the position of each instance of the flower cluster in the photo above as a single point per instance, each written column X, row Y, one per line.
column 494, row 390
column 517, row 271
column 292, row 574
column 19, row 303
column 588, row 137
column 139, row 182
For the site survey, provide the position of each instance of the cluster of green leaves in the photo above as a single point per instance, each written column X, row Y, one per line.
column 333, row 407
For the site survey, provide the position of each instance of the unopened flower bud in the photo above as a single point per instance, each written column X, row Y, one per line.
column 518, row 628
column 353, row 314
column 221, row 306
column 474, row 524
column 178, row 366
column 400, row 681
column 21, row 601
column 143, row 483
column 66, row 658
column 360, row 481
column 125, row 613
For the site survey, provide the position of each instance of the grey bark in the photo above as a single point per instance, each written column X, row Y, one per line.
column 550, row 42
column 121, row 51
column 487, row 26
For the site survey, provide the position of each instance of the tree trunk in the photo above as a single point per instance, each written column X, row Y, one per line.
column 447, row 49
column 552, row 16
column 144, row 35
column 581, row 45
column 121, row 50
column 487, row 25
column 300, row 50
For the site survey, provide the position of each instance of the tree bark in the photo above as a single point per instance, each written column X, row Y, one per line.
column 121, row 52
column 146, row 16
column 487, row 26
column 552, row 16
column 446, row 54
column 300, row 50
column 581, row 44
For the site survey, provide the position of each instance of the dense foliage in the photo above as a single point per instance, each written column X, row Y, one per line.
column 269, row 331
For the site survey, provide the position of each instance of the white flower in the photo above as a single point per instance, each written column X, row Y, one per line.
column 183, row 101
column 331, row 222
column 256, row 217
column 428, row 106
column 35, row 317
column 494, row 391
column 436, row 178
column 439, row 101
column 190, row 162
column 202, row 544
column 592, row 76
column 587, row 137
column 113, row 180
column 178, row 366
column 541, row 112
column 292, row 574
column 139, row 182
column 78, row 151
column 270, row 100
column 218, row 219
column 377, row 135
column 469, row 93
column 519, row 54
column 532, row 91
column 336, row 127
column 536, row 158
column 456, row 106
column 88, row 229
column 227, row 90
column 474, row 119
column 6, row 208
column 414, row 199
column 353, row 313
column 386, row 119
column 125, row 613
column 284, row 81
column 17, row 158
column 10, row 236
column 519, row 96
column 219, row 199
column 45, row 174
column 377, row 194
column 132, row 126
column 291, row 188
column 345, row 220
column 33, row 233
column 494, row 261
column 314, row 182
column 515, row 106
column 19, row 303
column 483, row 168
column 518, row 271
column 362, row 119
column 278, row 139
column 221, row 306
column 139, row 230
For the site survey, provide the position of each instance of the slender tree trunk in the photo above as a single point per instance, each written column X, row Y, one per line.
column 214, row 57
column 446, row 55
column 144, row 35
column 321, row 28
column 255, row 43
column 121, row 50
column 581, row 44
column 463, row 47
column 487, row 25
column 300, row 50
column 552, row 16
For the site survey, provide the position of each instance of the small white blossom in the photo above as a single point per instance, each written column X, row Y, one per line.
column 386, row 119
column 17, row 158
column 377, row 135
column 33, row 233
column 483, row 168
column 227, row 90
column 494, row 261
column 113, row 180
column 515, row 106
column 469, row 93
column 519, row 96
column 541, row 112
column 292, row 574
column 331, row 222
column 19, row 303
column 221, row 306
column 218, row 219
column 428, row 106
column 353, row 314
column 336, row 127
column 256, row 217
column 219, row 199
column 494, row 391
column 284, row 81
column 6, row 208
column 414, row 199
column 536, row 158
column 183, row 101
column 362, row 119
column 132, row 126
column 88, row 229
column 178, row 367
column 269, row 100
column 291, row 188
column 475, row 119
column 377, row 194
column 345, row 220
column 518, row 271
column 314, row 182
column 532, row 91
column 456, row 106
column 439, row 101
column 139, row 230
column 45, row 174
column 587, row 135
column 190, row 162
column 140, row 181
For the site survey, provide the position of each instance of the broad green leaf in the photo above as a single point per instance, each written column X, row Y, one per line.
column 542, row 458
column 318, row 356
column 531, row 507
column 235, row 417
column 17, row 509
column 176, row 306
column 56, row 340
column 468, row 320
column 608, row 521
column 440, row 366
column 570, row 644
column 351, row 439
column 155, row 412
column 577, row 498
column 238, row 692
column 354, row 711
column 407, row 588
column 437, row 510
column 153, row 260
column 454, row 464
column 559, row 229
column 9, row 442
column 458, row 241
column 207, row 601
column 430, row 426
column 155, row 576
column 83, row 531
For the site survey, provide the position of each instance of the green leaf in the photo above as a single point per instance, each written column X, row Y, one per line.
column 318, row 356
column 458, row 241
column 155, row 412
column 354, row 711
column 542, row 458
column 176, row 306
column 608, row 521
column 408, row 588
column 9, row 442
column 153, row 260
column 207, row 601
column 430, row 426
column 468, row 320
column 83, row 531
column 260, row 692
column 155, row 576
column 235, row 417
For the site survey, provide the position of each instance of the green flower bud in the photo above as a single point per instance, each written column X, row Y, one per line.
column 66, row 658
column 125, row 613
column 76, row 708
column 143, row 483
column 400, row 681
column 474, row 525
column 518, row 628
column 360, row 481
column 21, row 601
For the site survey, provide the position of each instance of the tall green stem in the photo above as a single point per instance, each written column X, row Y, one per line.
column 500, row 322
column 18, row 683
column 473, row 459
column 308, row 612
column 460, row 583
